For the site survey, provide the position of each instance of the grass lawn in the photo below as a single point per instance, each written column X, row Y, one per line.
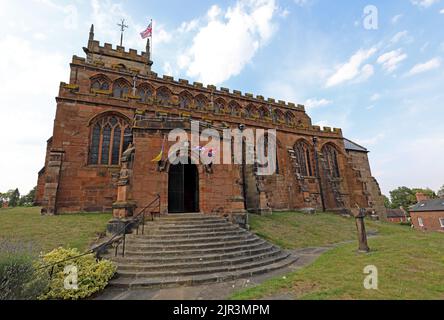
column 410, row 263
column 47, row 233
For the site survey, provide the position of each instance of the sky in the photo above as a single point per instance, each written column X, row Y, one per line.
column 374, row 69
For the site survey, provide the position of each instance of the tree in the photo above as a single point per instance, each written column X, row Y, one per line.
column 387, row 202
column 428, row 192
column 441, row 192
column 14, row 198
column 28, row 200
column 402, row 197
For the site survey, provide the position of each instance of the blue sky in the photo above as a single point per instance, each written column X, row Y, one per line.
column 383, row 86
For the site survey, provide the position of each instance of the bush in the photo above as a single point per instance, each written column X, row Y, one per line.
column 92, row 275
column 19, row 277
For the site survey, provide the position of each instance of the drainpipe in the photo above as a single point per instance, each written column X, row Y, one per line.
column 318, row 174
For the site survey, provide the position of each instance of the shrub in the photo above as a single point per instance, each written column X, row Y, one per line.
column 92, row 275
column 19, row 277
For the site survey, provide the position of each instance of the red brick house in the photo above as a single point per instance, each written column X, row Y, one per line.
column 115, row 103
column 428, row 215
column 397, row 216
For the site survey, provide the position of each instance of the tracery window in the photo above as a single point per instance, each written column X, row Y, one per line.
column 303, row 158
column 289, row 118
column 110, row 137
column 145, row 93
column 219, row 106
column 278, row 116
column 330, row 155
column 164, row 96
column 121, row 89
column 99, row 83
column 234, row 109
column 201, row 102
column 263, row 113
column 185, row 100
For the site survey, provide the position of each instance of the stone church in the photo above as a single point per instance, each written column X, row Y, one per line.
column 111, row 121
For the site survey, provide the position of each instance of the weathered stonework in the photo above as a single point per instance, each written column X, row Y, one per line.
column 69, row 182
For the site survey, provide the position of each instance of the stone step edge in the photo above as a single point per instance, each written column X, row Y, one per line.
column 172, row 282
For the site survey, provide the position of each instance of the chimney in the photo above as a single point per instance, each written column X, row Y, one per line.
column 421, row 197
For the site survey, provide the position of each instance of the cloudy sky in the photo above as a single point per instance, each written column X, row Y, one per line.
column 380, row 79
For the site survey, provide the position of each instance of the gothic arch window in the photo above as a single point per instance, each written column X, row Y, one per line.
column 263, row 113
column 201, row 102
column 219, row 106
column 330, row 155
column 164, row 96
column 185, row 100
column 100, row 82
column 121, row 89
column 278, row 116
column 251, row 112
column 145, row 92
column 110, row 137
column 304, row 159
column 234, row 109
column 289, row 118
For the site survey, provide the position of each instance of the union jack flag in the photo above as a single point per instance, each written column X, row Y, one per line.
column 148, row 32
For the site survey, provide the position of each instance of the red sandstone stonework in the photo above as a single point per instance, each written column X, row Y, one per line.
column 69, row 183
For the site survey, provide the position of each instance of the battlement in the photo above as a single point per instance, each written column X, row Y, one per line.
column 119, row 52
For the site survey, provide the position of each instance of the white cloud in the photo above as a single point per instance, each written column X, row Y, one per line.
column 390, row 61
column 375, row 97
column 71, row 21
column 189, row 26
column 396, row 18
column 353, row 68
column 229, row 40
column 368, row 142
column 442, row 11
column 399, row 36
column 424, row 67
column 316, row 103
column 424, row 3
column 302, row 3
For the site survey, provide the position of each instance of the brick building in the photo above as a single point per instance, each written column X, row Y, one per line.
column 113, row 115
column 428, row 215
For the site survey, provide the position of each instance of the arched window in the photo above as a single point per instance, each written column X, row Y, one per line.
column 185, row 100
column 330, row 155
column 201, row 102
column 289, row 118
column 110, row 137
column 278, row 116
column 145, row 92
column 219, row 106
column 164, row 96
column 303, row 159
column 251, row 112
column 121, row 89
column 264, row 113
column 100, row 83
column 234, row 109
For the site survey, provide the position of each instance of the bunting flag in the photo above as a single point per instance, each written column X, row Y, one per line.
column 160, row 156
column 148, row 32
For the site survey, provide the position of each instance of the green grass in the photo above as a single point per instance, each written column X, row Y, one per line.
column 296, row 230
column 410, row 263
column 50, row 232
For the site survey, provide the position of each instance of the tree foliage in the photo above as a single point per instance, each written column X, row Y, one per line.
column 406, row 197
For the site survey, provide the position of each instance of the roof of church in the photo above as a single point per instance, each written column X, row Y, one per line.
column 353, row 146
column 429, row 205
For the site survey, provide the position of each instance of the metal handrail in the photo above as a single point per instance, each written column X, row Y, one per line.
column 113, row 238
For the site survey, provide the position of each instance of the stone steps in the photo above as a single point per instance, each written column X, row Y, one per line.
column 192, row 249
column 174, row 281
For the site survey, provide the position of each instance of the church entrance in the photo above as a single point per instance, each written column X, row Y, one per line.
column 183, row 189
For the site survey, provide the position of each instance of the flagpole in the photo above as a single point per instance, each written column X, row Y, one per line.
column 152, row 42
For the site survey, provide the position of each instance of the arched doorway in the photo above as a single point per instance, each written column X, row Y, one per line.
column 183, row 188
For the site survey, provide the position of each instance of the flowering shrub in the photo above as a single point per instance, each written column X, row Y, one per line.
column 91, row 275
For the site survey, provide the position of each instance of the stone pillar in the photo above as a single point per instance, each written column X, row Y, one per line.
column 124, row 208
column 362, row 234
column 52, row 180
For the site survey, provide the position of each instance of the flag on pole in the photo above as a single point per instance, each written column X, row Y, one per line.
column 148, row 32
column 160, row 156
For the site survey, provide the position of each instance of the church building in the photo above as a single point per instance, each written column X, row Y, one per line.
column 111, row 122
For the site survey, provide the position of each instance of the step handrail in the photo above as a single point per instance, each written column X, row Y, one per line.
column 118, row 237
